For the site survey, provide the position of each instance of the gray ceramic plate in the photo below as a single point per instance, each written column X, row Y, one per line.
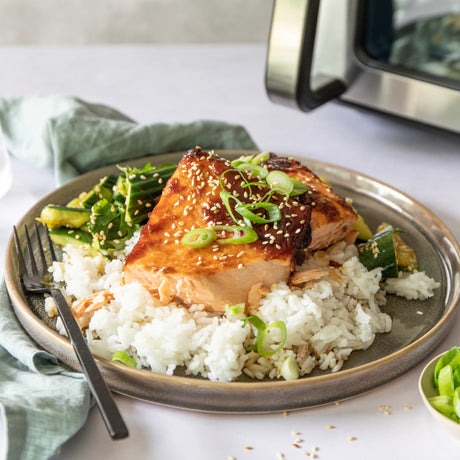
column 412, row 338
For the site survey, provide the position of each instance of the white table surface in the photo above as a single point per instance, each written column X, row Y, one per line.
column 184, row 83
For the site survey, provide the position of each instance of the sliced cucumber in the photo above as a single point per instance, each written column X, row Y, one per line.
column 380, row 252
column 141, row 188
column 364, row 232
column 75, row 237
column 100, row 191
column 63, row 216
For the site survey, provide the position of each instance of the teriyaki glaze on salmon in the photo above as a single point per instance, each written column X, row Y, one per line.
column 223, row 230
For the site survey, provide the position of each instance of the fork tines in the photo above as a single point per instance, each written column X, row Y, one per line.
column 29, row 252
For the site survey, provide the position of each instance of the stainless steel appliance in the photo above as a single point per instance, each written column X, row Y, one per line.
column 397, row 56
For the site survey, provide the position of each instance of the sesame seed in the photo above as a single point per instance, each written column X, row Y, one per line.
column 296, row 446
column 352, row 438
column 330, row 427
column 249, row 448
column 77, row 237
column 139, row 202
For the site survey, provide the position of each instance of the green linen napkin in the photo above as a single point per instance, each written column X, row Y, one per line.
column 75, row 136
column 42, row 403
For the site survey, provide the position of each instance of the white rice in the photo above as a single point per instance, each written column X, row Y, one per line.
column 325, row 322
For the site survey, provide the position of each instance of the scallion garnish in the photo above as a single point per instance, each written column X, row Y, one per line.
column 241, row 235
column 246, row 210
column 280, row 182
column 265, row 339
column 199, row 238
column 124, row 358
column 253, row 169
column 242, row 159
column 262, row 156
column 235, row 310
column 299, row 187
column 289, row 369
column 226, row 197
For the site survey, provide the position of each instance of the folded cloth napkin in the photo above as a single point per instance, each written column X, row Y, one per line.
column 74, row 136
column 42, row 403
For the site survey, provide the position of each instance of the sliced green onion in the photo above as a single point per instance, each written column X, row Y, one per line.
column 124, row 358
column 246, row 210
column 444, row 360
column 199, row 238
column 264, row 340
column 280, row 182
column 242, row 159
column 289, row 369
column 253, row 169
column 241, row 235
column 262, row 156
column 226, row 197
column 446, row 381
column 456, row 402
column 299, row 187
column 255, row 321
column 444, row 405
column 235, row 310
column 260, row 184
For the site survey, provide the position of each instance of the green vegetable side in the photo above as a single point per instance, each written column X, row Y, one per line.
column 387, row 250
column 105, row 217
column 447, row 380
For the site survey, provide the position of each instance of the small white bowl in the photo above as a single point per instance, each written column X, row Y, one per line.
column 427, row 390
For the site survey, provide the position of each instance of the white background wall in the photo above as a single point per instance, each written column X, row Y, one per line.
column 48, row 22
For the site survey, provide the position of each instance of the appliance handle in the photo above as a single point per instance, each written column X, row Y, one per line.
column 288, row 77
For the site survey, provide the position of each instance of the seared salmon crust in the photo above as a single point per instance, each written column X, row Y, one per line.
column 223, row 274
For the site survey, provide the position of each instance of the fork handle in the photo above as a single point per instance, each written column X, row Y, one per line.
column 101, row 393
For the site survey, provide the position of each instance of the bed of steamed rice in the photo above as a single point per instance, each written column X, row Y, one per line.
column 325, row 321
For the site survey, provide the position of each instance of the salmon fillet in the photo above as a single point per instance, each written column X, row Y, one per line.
column 332, row 218
column 219, row 275
column 216, row 275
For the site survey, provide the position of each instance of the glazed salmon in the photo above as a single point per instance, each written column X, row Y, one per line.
column 218, row 274
column 332, row 218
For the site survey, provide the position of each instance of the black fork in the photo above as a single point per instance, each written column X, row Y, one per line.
column 36, row 278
